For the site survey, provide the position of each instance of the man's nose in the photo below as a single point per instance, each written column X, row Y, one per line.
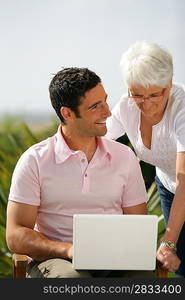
column 106, row 111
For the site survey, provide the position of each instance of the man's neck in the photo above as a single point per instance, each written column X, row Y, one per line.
column 86, row 144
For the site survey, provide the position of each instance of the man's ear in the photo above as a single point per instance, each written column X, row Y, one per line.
column 66, row 113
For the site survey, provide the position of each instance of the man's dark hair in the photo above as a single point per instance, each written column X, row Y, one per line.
column 68, row 86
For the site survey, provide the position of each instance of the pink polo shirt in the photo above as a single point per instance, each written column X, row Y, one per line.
column 61, row 183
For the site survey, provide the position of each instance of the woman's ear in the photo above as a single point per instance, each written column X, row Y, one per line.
column 170, row 83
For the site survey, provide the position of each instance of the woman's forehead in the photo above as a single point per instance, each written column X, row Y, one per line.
column 143, row 90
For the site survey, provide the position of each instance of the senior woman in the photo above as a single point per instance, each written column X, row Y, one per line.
column 152, row 114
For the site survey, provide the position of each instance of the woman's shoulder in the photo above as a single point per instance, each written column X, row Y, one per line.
column 176, row 107
column 178, row 90
column 125, row 104
column 177, row 96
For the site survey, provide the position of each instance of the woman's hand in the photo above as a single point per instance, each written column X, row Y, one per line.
column 168, row 258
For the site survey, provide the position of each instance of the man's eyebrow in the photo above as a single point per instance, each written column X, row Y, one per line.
column 97, row 102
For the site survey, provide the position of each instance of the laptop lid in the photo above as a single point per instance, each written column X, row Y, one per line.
column 114, row 242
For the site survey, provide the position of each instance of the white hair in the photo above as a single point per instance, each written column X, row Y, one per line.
column 146, row 64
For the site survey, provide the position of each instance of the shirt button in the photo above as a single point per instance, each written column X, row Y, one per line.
column 83, row 160
column 85, row 175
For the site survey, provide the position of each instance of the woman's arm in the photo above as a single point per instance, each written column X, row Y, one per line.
column 176, row 219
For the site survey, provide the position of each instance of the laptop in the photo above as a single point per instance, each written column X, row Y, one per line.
column 114, row 242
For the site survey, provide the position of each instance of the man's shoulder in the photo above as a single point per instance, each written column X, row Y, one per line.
column 117, row 146
column 39, row 149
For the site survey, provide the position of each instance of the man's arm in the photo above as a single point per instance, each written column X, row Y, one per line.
column 22, row 238
column 140, row 209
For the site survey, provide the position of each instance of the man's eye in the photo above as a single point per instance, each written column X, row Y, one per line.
column 94, row 106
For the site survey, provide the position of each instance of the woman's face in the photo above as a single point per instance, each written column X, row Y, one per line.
column 151, row 101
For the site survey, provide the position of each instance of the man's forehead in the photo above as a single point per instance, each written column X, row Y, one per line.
column 95, row 94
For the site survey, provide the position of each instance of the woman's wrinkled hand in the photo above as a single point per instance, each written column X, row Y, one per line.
column 168, row 258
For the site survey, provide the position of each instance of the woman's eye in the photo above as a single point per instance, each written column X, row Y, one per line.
column 155, row 95
column 137, row 96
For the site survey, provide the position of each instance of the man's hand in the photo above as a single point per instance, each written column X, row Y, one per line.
column 70, row 252
column 168, row 258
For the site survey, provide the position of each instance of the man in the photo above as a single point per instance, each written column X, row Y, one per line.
column 75, row 171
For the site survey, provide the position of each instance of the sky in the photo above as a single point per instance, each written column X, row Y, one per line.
column 39, row 37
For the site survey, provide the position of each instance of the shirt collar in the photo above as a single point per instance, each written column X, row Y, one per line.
column 104, row 147
column 63, row 152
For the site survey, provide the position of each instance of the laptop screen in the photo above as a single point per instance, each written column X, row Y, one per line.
column 114, row 242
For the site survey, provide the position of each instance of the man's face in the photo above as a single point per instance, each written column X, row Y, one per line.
column 93, row 112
